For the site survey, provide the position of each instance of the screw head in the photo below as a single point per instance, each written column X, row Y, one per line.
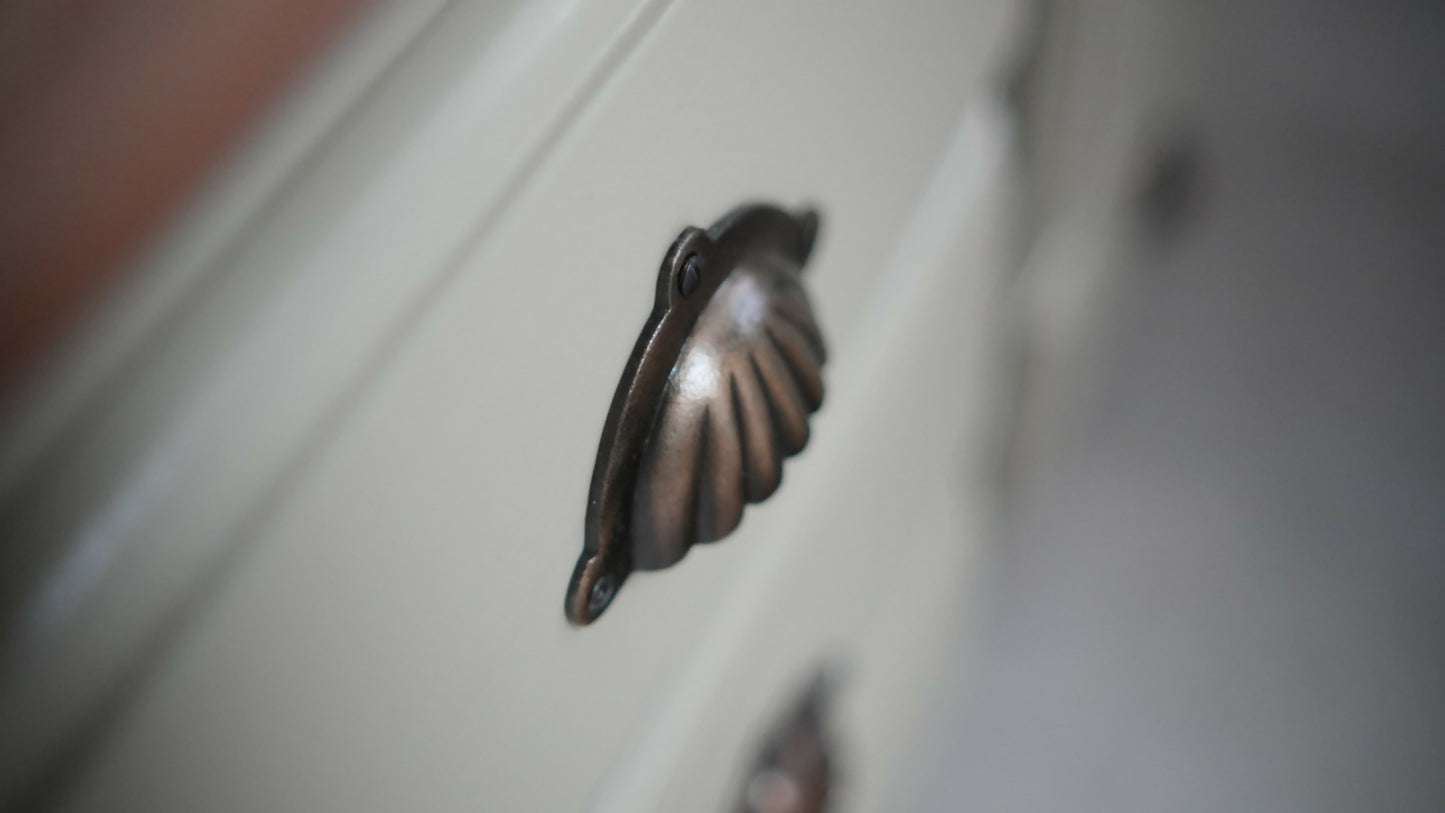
column 691, row 275
column 601, row 594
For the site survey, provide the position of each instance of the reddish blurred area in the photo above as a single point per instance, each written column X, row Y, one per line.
column 111, row 112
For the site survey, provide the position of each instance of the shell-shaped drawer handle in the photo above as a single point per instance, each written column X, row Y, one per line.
column 717, row 393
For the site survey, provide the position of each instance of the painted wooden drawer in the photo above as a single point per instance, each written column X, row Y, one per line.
column 310, row 552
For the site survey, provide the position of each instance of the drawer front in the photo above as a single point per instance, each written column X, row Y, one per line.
column 385, row 630
column 865, row 565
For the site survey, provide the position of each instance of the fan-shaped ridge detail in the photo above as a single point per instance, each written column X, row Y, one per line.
column 718, row 394
column 746, row 391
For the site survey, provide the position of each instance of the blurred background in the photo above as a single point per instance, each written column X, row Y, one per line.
column 1228, row 590
column 1207, row 570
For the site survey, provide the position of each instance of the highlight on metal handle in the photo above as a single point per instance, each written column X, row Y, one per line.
column 717, row 393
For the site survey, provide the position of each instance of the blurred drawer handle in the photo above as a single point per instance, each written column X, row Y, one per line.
column 716, row 394
column 794, row 772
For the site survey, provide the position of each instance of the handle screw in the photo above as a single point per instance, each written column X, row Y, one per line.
column 601, row 595
column 691, row 275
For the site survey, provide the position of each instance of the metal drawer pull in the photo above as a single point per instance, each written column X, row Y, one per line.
column 716, row 394
column 795, row 771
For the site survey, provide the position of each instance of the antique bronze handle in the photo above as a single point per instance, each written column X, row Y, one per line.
column 795, row 770
column 716, row 394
